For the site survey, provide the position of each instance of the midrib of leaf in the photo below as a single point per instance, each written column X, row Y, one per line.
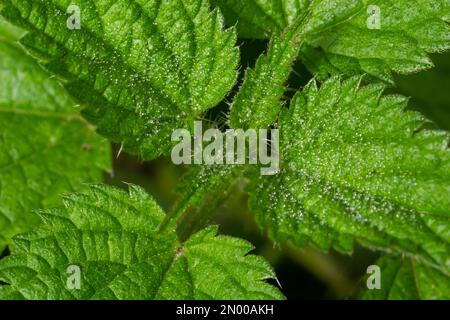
column 107, row 284
column 410, row 172
column 116, row 275
column 222, row 268
column 408, row 175
column 166, row 273
column 279, row 27
column 342, row 21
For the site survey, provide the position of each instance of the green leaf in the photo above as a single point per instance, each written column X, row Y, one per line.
column 344, row 44
column 429, row 90
column 408, row 279
column 114, row 238
column 259, row 19
column 356, row 166
column 8, row 31
column 202, row 190
column 280, row 213
column 140, row 69
column 46, row 148
column 258, row 101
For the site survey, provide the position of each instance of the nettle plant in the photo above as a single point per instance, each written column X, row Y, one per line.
column 355, row 165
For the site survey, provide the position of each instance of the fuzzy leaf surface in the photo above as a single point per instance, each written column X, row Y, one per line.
column 140, row 69
column 356, row 166
column 342, row 39
column 259, row 100
column 114, row 238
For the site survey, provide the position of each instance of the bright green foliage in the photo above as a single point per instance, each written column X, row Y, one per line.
column 8, row 31
column 140, row 69
column 200, row 179
column 407, row 279
column 45, row 147
column 259, row 19
column 408, row 31
column 283, row 215
column 258, row 101
column 429, row 90
column 113, row 238
column 355, row 165
column 203, row 190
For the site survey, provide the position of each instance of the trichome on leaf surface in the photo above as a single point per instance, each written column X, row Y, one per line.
column 363, row 180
